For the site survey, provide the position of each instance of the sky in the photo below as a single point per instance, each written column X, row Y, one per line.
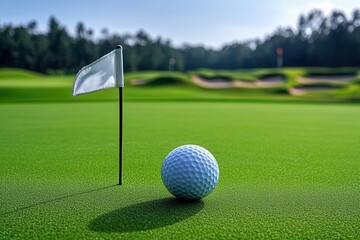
column 208, row 22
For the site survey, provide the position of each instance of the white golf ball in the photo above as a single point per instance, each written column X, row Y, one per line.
column 190, row 172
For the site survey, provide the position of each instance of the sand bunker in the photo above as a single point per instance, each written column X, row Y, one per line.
column 271, row 81
column 218, row 83
column 213, row 83
column 138, row 82
column 342, row 79
column 300, row 91
column 244, row 84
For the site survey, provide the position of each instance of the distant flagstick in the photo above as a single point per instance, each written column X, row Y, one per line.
column 106, row 72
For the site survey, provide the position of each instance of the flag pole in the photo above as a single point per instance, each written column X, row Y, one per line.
column 120, row 126
column 120, row 133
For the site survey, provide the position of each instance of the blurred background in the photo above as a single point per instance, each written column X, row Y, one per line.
column 278, row 49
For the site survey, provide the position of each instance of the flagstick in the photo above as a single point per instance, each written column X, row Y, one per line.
column 120, row 133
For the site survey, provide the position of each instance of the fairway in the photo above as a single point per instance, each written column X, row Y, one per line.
column 287, row 170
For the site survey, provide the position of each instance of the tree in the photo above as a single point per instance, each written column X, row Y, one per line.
column 318, row 40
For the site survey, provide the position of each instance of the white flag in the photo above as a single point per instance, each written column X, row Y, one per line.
column 106, row 72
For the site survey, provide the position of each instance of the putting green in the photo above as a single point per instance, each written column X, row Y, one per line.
column 286, row 170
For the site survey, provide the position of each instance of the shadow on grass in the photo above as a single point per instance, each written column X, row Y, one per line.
column 146, row 215
column 56, row 199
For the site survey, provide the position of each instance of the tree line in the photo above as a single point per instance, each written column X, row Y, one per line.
column 318, row 40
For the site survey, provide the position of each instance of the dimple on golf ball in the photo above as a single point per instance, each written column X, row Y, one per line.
column 190, row 172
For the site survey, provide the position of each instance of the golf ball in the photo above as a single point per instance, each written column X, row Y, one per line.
column 190, row 172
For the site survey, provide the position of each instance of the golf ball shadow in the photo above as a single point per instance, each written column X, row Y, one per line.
column 146, row 215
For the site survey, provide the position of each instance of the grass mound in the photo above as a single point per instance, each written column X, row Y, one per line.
column 16, row 73
column 272, row 76
column 217, row 78
column 320, row 86
column 331, row 71
column 159, row 81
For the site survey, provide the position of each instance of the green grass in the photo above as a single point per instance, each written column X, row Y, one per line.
column 286, row 170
